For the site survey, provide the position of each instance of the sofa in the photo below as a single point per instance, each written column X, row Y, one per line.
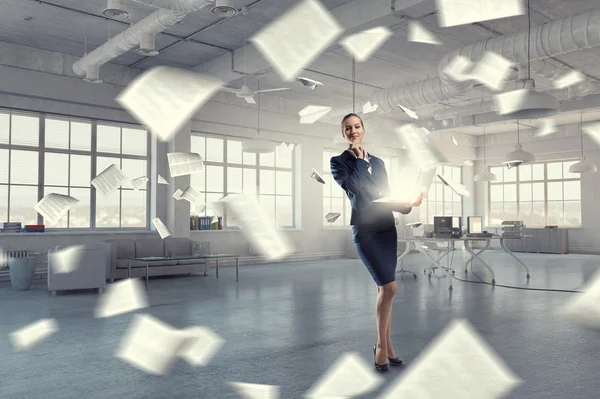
column 90, row 264
column 124, row 248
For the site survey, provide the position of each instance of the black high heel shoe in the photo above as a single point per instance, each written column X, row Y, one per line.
column 395, row 362
column 378, row 367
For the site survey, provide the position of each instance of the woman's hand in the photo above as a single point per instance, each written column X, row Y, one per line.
column 357, row 150
column 417, row 202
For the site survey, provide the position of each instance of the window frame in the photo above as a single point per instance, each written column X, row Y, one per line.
column 424, row 208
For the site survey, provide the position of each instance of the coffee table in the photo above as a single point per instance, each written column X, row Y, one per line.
column 207, row 257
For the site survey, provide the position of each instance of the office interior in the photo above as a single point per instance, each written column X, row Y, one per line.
column 285, row 321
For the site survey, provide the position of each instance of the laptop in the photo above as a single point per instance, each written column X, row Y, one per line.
column 475, row 227
column 407, row 190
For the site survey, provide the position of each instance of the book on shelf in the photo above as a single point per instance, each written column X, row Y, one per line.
column 12, row 227
column 204, row 223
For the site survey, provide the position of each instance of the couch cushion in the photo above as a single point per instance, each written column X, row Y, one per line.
column 145, row 247
column 123, row 263
column 178, row 246
column 125, row 247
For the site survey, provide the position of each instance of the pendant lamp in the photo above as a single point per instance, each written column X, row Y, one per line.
column 583, row 166
column 518, row 156
column 485, row 175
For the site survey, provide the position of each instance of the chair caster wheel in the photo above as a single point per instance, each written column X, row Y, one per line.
column 528, row 276
column 415, row 276
column 453, row 272
column 450, row 288
column 494, row 281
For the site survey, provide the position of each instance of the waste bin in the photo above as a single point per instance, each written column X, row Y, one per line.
column 22, row 271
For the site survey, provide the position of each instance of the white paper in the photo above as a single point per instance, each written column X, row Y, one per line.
column 363, row 45
column 177, row 194
column 191, row 195
column 256, row 391
column 162, row 180
column 309, row 82
column 408, row 112
column 284, row 150
column 54, row 206
column 584, row 309
column 458, row 363
column 459, row 68
column 417, row 33
column 297, row 38
column 315, row 175
column 184, row 163
column 546, row 127
column 367, row 107
column 30, row 336
column 200, row 346
column 492, row 70
column 569, row 79
column 408, row 184
column 454, row 140
column 593, row 130
column 161, row 228
column 121, row 297
column 348, row 377
column 423, row 152
column 139, row 183
column 313, row 113
column 198, row 210
column 456, row 187
column 258, row 227
column 164, row 98
column 109, row 181
column 332, row 217
column 66, row 260
column 461, row 12
column 150, row 345
column 510, row 101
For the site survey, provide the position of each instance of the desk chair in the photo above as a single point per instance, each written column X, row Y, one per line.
column 409, row 247
column 443, row 250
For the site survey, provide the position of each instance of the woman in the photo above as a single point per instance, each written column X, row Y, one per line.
column 364, row 179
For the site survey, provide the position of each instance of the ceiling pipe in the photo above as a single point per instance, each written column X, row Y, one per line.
column 153, row 24
column 548, row 40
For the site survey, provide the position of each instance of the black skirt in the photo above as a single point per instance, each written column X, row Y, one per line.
column 377, row 247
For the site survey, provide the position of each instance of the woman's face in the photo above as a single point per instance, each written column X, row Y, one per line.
column 353, row 131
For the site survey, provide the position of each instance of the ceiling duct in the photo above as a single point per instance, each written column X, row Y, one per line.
column 115, row 9
column 224, row 9
column 548, row 40
column 93, row 76
column 147, row 46
column 153, row 24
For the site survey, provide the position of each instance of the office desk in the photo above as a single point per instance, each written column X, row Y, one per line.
column 411, row 244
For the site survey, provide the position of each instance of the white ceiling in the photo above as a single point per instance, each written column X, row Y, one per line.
column 65, row 25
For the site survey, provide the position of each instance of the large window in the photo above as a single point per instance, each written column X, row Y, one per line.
column 441, row 200
column 539, row 194
column 229, row 170
column 43, row 154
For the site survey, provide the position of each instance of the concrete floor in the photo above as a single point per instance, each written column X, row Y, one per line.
column 285, row 324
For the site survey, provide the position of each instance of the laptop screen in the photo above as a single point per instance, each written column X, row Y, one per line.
column 475, row 224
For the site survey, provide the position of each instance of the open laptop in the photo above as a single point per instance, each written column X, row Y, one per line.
column 407, row 190
column 475, row 227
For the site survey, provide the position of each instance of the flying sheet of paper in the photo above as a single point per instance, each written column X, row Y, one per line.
column 510, row 101
column 255, row 391
column 417, row 33
column 164, row 98
column 408, row 112
column 348, row 377
column 468, row 162
column 422, row 151
column 121, row 297
column 139, row 183
column 258, row 227
column 414, row 225
column 33, row 334
column 109, row 180
column 54, row 206
column 546, row 127
column 177, row 194
column 198, row 210
column 315, row 175
column 184, row 163
column 464, row 366
column 139, row 346
column 569, row 79
column 461, row 12
column 162, row 180
column 456, row 187
column 297, row 38
column 367, row 108
column 459, row 68
column 584, row 309
column 162, row 230
column 284, row 149
column 66, row 260
column 313, row 113
column 593, row 130
column 200, row 345
column 363, row 45
column 191, row 195
column 332, row 217
column 309, row 82
column 492, row 70
column 454, row 140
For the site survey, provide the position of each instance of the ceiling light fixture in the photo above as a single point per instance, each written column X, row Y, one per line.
column 115, row 9
column 583, row 166
column 147, row 46
column 224, row 9
column 485, row 175
column 518, row 156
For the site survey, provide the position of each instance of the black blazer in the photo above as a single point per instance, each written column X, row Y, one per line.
column 362, row 188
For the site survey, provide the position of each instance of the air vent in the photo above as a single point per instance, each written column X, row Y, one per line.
column 93, row 76
column 147, row 46
column 115, row 9
column 224, row 9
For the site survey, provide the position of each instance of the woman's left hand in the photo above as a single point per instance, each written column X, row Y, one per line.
column 417, row 202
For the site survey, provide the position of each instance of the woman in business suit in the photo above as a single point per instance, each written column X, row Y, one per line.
column 364, row 179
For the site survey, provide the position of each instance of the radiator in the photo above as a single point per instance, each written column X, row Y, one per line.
column 6, row 255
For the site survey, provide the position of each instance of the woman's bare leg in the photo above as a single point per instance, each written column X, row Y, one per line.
column 390, row 348
column 385, row 297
